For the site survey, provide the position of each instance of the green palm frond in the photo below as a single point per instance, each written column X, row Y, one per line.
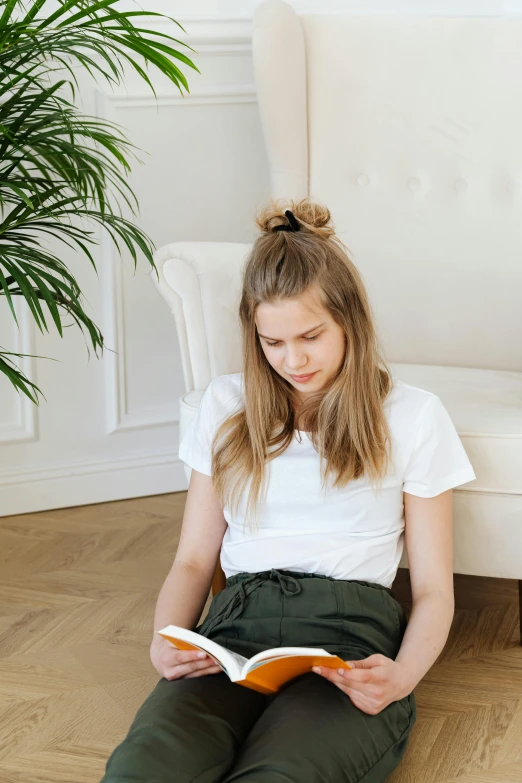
column 59, row 167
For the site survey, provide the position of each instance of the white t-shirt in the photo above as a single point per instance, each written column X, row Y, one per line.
column 344, row 533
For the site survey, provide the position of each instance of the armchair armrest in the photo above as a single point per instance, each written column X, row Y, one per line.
column 201, row 284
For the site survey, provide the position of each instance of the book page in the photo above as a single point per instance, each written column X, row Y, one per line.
column 240, row 659
column 228, row 659
column 282, row 652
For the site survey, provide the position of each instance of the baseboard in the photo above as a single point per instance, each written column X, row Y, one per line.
column 81, row 483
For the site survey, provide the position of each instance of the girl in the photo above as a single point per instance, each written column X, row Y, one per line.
column 308, row 469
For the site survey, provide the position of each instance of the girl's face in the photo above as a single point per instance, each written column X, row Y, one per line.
column 299, row 336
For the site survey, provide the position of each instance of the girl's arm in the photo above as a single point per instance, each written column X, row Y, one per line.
column 429, row 542
column 184, row 593
column 183, row 596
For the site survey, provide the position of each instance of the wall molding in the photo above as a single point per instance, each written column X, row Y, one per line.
column 93, row 465
column 25, row 427
column 118, row 417
column 210, row 35
column 208, row 94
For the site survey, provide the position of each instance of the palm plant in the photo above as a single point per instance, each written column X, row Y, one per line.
column 56, row 164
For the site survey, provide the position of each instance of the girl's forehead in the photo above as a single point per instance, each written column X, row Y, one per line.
column 303, row 306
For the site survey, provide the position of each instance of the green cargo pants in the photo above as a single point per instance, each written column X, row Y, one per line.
column 208, row 729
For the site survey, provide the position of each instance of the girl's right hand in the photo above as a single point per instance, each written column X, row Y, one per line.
column 175, row 664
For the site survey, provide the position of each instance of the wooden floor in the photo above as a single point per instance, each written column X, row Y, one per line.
column 78, row 591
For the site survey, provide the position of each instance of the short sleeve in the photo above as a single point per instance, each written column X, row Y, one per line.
column 438, row 461
column 195, row 447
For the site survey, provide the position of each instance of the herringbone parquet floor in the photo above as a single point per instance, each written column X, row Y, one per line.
column 78, row 590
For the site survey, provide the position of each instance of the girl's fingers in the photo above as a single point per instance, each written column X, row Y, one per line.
column 335, row 677
column 340, row 679
column 185, row 668
column 208, row 670
column 185, row 656
column 330, row 674
column 357, row 696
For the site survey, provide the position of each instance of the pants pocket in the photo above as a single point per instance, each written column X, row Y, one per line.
column 370, row 620
column 404, row 703
column 408, row 706
column 398, row 621
column 214, row 609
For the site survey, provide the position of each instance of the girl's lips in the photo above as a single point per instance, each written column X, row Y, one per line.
column 302, row 378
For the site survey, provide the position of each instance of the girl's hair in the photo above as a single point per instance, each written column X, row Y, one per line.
column 346, row 420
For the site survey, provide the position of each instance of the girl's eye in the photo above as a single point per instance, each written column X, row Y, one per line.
column 306, row 338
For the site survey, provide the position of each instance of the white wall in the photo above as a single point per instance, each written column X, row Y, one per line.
column 109, row 427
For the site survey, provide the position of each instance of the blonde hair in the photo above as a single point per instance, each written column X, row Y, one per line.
column 346, row 420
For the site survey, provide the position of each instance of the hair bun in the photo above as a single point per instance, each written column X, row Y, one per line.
column 312, row 217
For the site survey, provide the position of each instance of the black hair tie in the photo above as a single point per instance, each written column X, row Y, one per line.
column 294, row 225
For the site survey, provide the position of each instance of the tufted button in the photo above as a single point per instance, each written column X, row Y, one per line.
column 414, row 183
column 513, row 186
column 460, row 185
column 363, row 179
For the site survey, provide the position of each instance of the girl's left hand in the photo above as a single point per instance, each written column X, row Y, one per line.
column 374, row 683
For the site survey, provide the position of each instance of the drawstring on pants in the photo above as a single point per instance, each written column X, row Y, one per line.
column 240, row 590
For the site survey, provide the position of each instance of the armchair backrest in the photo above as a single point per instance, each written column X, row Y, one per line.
column 408, row 128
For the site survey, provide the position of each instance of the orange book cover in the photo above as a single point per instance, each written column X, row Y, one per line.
column 265, row 672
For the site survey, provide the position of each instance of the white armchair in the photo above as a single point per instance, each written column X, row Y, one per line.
column 408, row 129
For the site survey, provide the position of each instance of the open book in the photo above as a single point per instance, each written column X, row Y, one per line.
column 265, row 672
